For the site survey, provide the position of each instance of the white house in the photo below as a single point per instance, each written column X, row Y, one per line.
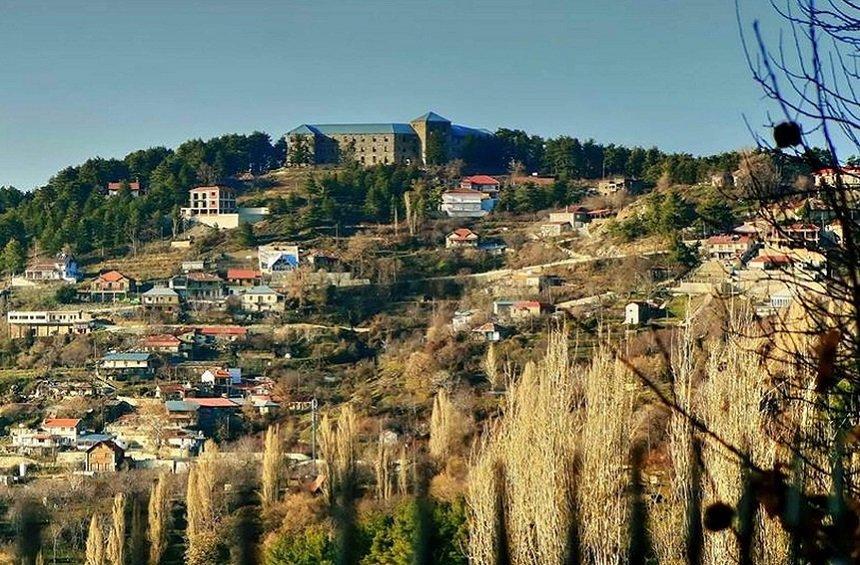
column 225, row 377
column 262, row 299
column 277, row 258
column 467, row 203
column 63, row 267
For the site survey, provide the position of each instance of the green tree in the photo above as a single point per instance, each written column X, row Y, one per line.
column 14, row 257
column 245, row 235
column 311, row 546
column 435, row 152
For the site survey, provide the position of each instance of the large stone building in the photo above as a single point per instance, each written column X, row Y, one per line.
column 426, row 138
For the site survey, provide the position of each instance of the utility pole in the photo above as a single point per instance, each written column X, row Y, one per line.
column 314, row 433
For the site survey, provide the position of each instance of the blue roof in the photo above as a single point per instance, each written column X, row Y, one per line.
column 463, row 131
column 431, row 117
column 181, row 406
column 126, row 357
column 358, row 129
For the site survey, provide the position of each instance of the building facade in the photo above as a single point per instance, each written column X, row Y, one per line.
column 428, row 139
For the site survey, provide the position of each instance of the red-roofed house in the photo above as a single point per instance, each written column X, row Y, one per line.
column 850, row 176
column 243, row 277
column 795, row 235
column 225, row 333
column 162, row 343
column 54, row 433
column 729, row 246
column 484, row 183
column 528, row 309
column 461, row 237
column 110, row 287
column 769, row 262
column 114, row 188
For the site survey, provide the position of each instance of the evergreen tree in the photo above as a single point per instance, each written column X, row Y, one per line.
column 14, row 258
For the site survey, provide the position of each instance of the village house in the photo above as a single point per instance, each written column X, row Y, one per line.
column 483, row 183
column 490, row 332
column 110, row 287
column 53, row 434
column 640, row 312
column 528, row 309
column 564, row 221
column 795, row 235
column 63, row 268
column 243, row 277
column 132, row 363
column 48, row 323
column 224, row 333
column 277, row 258
column 723, row 179
column 215, row 206
column 610, row 186
column 848, row 175
column 221, row 379
column 181, row 413
column 134, row 188
column 770, row 262
column 105, row 457
column 262, row 299
column 466, row 203
column 190, row 265
column 164, row 343
column 730, row 246
column 160, row 299
column 201, row 287
column 173, row 391
column 212, row 412
column 461, row 237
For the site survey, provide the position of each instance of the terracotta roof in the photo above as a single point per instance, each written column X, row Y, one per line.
column 61, row 422
column 112, row 276
column 846, row 169
column 527, row 304
column 161, row 339
column 727, row 238
column 212, row 402
column 115, row 186
column 773, row 259
column 242, row 274
column 223, row 330
column 463, row 234
column 481, row 179
column 488, row 327
column 198, row 276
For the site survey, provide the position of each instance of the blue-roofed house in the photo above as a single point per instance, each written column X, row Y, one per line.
column 379, row 143
column 128, row 363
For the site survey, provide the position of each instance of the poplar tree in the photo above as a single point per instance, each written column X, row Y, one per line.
column 273, row 463
column 116, row 538
column 158, row 515
column 95, row 553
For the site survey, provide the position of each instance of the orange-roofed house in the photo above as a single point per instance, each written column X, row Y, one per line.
column 163, row 343
column 730, row 246
column 110, row 287
column 224, row 333
column 848, row 176
column 134, row 188
column 770, row 262
column 483, row 183
column 528, row 309
column 243, row 277
column 461, row 237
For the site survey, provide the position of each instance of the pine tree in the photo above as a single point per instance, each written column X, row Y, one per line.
column 116, row 538
column 159, row 514
column 273, row 462
column 14, row 258
column 95, row 553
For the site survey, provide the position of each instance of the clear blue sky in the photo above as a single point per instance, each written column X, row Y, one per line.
column 98, row 77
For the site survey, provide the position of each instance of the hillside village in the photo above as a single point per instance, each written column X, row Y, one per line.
column 270, row 300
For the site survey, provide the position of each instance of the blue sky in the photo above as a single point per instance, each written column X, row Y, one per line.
column 99, row 77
